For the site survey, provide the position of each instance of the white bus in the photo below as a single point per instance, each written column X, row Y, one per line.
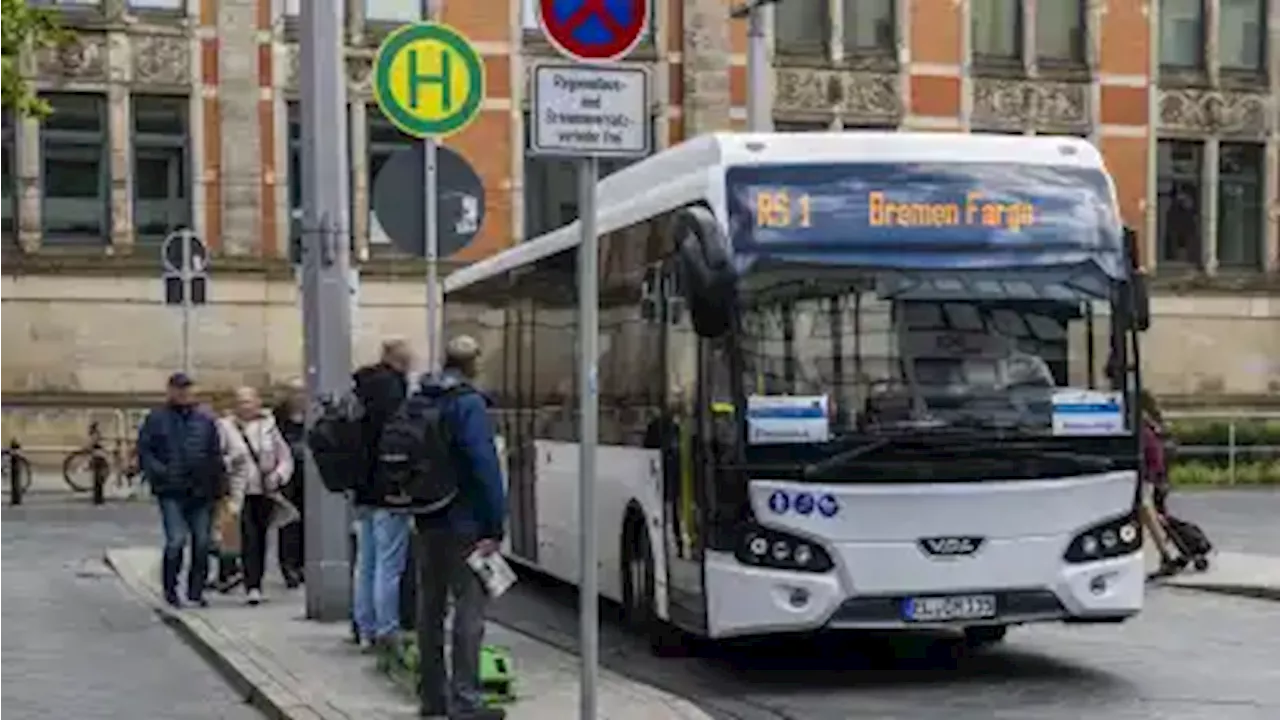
column 854, row 380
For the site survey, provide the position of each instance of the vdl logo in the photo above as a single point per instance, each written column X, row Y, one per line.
column 950, row 546
column 803, row 503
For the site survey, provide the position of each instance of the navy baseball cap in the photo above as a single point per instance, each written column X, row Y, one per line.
column 180, row 380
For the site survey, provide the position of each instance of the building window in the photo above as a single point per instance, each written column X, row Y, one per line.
column 9, row 163
column 797, row 126
column 868, row 26
column 997, row 29
column 802, row 27
column 1061, row 31
column 1242, row 28
column 172, row 5
column 1182, row 36
column 1180, row 168
column 394, row 10
column 76, row 179
column 161, row 201
column 1240, row 191
column 551, row 186
column 385, row 140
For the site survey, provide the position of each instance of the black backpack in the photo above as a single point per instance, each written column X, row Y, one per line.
column 416, row 470
column 336, row 441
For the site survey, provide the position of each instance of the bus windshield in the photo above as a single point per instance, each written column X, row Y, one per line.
column 882, row 361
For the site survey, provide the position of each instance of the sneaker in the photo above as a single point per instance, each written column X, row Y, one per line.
column 171, row 599
column 254, row 597
column 229, row 582
column 198, row 601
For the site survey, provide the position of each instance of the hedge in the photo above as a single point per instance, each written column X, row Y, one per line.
column 1195, row 472
column 1249, row 431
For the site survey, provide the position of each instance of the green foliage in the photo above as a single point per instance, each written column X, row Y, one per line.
column 1249, row 431
column 1206, row 474
column 26, row 29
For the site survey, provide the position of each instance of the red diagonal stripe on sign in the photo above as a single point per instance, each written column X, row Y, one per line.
column 596, row 9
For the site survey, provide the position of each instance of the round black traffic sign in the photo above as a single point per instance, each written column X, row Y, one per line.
column 398, row 201
column 171, row 253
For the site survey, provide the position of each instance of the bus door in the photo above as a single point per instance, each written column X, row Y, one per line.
column 682, row 461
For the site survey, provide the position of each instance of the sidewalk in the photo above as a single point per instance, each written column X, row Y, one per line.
column 1232, row 573
column 295, row 669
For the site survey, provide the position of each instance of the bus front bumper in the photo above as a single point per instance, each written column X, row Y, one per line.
column 745, row 600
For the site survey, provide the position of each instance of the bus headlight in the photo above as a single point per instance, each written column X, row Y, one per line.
column 764, row 547
column 1112, row 538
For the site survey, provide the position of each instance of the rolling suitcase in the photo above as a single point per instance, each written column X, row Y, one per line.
column 1190, row 541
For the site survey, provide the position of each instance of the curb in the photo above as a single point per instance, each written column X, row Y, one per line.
column 240, row 671
column 1254, row 592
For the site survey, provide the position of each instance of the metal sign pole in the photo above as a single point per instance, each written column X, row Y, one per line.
column 187, row 278
column 430, row 227
column 588, row 392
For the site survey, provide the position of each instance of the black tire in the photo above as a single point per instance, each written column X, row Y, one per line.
column 639, row 583
column 980, row 636
column 77, row 470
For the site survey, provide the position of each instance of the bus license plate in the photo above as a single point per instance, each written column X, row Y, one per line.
column 958, row 607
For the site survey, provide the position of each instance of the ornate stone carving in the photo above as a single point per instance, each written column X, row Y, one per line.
column 865, row 95
column 84, row 58
column 292, row 62
column 161, row 60
column 1018, row 104
column 803, row 89
column 360, row 73
column 1211, row 112
column 872, row 96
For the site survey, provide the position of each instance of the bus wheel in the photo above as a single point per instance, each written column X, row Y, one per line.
column 980, row 636
column 638, row 576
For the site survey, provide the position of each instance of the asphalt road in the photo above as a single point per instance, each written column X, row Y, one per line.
column 1188, row 656
column 75, row 643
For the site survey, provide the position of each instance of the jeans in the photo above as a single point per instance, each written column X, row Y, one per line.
column 185, row 519
column 442, row 570
column 381, row 550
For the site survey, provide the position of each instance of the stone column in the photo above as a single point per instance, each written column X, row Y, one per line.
column 239, row 92
column 706, row 67
column 120, row 140
column 1271, row 248
column 1209, row 203
column 29, row 183
column 966, row 65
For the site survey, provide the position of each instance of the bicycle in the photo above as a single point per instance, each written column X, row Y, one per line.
column 15, row 461
column 118, row 463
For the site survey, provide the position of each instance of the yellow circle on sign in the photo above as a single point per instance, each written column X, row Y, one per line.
column 428, row 80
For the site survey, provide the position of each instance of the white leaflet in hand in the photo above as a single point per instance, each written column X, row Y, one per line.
column 779, row 419
column 494, row 572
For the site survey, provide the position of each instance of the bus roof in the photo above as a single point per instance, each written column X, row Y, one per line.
column 683, row 173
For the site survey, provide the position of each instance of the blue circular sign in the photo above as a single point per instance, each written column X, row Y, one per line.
column 778, row 502
column 804, row 503
column 828, row 506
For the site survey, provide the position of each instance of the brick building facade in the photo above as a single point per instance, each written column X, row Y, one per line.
column 182, row 112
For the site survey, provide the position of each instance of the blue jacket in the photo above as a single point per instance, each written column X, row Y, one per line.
column 180, row 452
column 481, row 508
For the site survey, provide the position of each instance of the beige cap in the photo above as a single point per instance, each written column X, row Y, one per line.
column 462, row 348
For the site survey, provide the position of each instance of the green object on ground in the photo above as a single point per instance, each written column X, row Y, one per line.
column 497, row 671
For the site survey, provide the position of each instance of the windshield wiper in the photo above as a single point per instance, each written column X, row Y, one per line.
column 815, row 469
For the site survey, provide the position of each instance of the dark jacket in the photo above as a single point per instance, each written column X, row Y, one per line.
column 481, row 508
column 381, row 389
column 295, row 434
column 180, row 452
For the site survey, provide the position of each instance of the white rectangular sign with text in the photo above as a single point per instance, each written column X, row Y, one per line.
column 584, row 110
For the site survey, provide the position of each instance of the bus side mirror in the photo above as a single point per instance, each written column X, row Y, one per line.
column 706, row 270
column 1138, row 295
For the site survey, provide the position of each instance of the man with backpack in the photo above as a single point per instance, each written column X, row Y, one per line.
column 438, row 461
column 383, row 537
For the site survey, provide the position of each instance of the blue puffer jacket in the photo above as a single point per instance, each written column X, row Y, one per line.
column 180, row 452
column 481, row 508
